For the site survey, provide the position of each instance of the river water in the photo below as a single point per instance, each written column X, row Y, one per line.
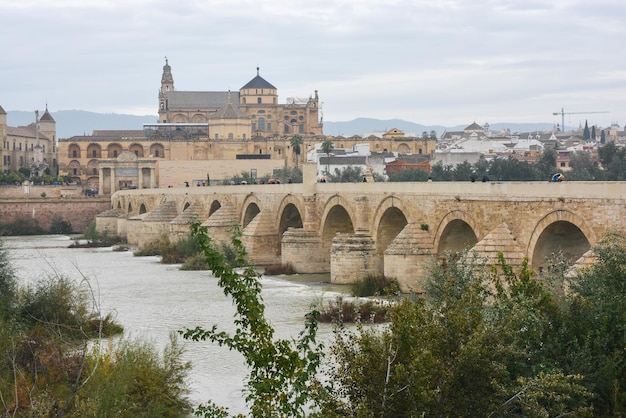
column 151, row 299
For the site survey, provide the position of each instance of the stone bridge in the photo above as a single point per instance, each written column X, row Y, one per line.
column 354, row 229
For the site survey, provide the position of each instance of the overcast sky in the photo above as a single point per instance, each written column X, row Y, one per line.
column 445, row 62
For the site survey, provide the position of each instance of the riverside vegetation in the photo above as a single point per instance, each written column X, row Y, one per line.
column 56, row 359
column 481, row 341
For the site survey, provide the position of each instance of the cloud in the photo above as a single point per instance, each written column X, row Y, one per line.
column 428, row 61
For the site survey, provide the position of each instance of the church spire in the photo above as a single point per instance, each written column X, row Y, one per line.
column 167, row 80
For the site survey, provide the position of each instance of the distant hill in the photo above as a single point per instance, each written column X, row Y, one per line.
column 81, row 122
column 366, row 126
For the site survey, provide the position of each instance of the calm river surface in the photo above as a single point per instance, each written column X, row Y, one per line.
column 151, row 299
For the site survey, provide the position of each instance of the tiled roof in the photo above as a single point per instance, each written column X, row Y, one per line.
column 474, row 127
column 229, row 111
column 127, row 133
column 356, row 160
column 199, row 99
column 25, row 131
column 47, row 117
column 258, row 82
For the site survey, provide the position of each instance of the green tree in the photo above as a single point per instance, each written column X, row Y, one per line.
column 481, row 342
column 546, row 165
column 327, row 148
column 296, row 144
column 613, row 160
column 286, row 174
column 597, row 308
column 349, row 174
column 583, row 167
column 433, row 135
column 602, row 137
column 409, row 174
column 439, row 172
column 463, row 171
column 282, row 380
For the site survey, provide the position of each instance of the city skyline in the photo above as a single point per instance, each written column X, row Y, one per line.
column 442, row 62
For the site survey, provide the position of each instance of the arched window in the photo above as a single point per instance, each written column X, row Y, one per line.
column 261, row 123
column 258, row 100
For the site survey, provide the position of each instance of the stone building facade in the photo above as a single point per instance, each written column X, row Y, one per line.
column 216, row 134
column 22, row 146
column 256, row 105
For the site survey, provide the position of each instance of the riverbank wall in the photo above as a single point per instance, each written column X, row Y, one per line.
column 78, row 211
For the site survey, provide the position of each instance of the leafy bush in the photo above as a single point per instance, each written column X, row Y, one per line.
column 375, row 285
column 133, row 381
column 51, row 366
column 343, row 311
column 276, row 269
column 23, row 226
column 195, row 262
column 60, row 225
column 97, row 239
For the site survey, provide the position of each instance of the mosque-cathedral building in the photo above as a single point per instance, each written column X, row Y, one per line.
column 205, row 136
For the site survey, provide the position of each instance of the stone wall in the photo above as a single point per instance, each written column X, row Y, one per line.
column 21, row 191
column 176, row 173
column 80, row 212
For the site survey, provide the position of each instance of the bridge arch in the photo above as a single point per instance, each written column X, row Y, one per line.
column 389, row 220
column 455, row 232
column 251, row 208
column 215, row 206
column 560, row 230
column 289, row 213
column 337, row 218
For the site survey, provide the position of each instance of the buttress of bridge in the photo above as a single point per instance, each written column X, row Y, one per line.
column 191, row 214
column 585, row 261
column 413, row 239
column 224, row 216
column 166, row 212
column 500, row 240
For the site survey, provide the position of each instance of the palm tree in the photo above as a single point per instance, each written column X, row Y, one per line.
column 296, row 142
column 327, row 147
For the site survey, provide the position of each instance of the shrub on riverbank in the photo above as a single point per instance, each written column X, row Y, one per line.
column 344, row 311
column 31, row 226
column 22, row 226
column 54, row 362
column 92, row 238
column 276, row 269
column 185, row 252
column 375, row 285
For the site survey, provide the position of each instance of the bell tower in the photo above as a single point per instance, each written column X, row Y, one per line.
column 167, row 85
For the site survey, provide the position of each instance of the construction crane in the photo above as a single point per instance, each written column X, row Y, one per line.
column 563, row 113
